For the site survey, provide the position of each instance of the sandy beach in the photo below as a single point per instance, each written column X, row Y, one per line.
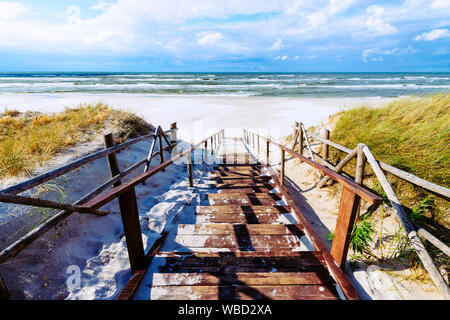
column 198, row 116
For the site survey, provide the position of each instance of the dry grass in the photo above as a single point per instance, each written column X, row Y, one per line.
column 29, row 139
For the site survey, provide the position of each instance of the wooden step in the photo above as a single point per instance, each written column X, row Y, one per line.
column 242, row 242
column 243, row 198
column 240, row 229
column 241, row 179
column 241, row 209
column 245, row 292
column 235, row 174
column 249, row 218
column 254, row 278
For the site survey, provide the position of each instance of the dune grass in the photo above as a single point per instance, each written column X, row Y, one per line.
column 29, row 139
column 412, row 134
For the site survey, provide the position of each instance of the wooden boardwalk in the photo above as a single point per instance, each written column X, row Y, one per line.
column 241, row 241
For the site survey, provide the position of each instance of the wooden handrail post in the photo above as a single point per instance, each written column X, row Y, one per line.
column 253, row 140
column 174, row 137
column 258, row 144
column 161, row 148
column 325, row 146
column 132, row 229
column 112, row 159
column 189, row 167
column 212, row 146
column 348, row 209
column 206, row 151
column 300, row 139
column 294, row 135
column 360, row 164
column 283, row 160
column 268, row 152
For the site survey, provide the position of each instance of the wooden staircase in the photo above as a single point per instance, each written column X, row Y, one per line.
column 241, row 241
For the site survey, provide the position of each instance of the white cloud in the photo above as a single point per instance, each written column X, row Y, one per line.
column 440, row 4
column 376, row 54
column 281, row 58
column 336, row 6
column 278, row 45
column 10, row 10
column 433, row 35
column 210, row 38
column 376, row 22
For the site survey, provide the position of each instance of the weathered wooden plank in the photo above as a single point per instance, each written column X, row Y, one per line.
column 303, row 258
column 28, row 201
column 348, row 210
column 244, row 188
column 132, row 229
column 241, row 209
column 250, row 218
column 227, row 229
column 246, row 199
column 242, row 254
column 244, row 292
column 255, row 278
column 113, row 164
column 240, row 179
column 245, row 242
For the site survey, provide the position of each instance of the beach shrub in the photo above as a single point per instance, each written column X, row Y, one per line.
column 31, row 138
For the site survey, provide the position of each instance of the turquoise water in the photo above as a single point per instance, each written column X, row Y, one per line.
column 229, row 84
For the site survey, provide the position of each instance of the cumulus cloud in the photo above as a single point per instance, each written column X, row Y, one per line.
column 209, row 38
column 376, row 22
column 10, row 10
column 433, row 35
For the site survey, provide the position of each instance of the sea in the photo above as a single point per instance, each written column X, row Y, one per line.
column 227, row 84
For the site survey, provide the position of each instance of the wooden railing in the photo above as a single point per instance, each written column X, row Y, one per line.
column 363, row 155
column 350, row 199
column 10, row 194
column 93, row 200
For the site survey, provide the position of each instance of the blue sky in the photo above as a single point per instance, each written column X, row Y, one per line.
column 225, row 35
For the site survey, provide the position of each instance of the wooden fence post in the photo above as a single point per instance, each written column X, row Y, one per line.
column 161, row 148
column 300, row 139
column 206, row 151
column 295, row 135
column 189, row 167
column 268, row 152
column 325, row 146
column 282, row 166
column 174, row 136
column 348, row 209
column 360, row 163
column 258, row 145
column 112, row 159
column 212, row 146
column 132, row 229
